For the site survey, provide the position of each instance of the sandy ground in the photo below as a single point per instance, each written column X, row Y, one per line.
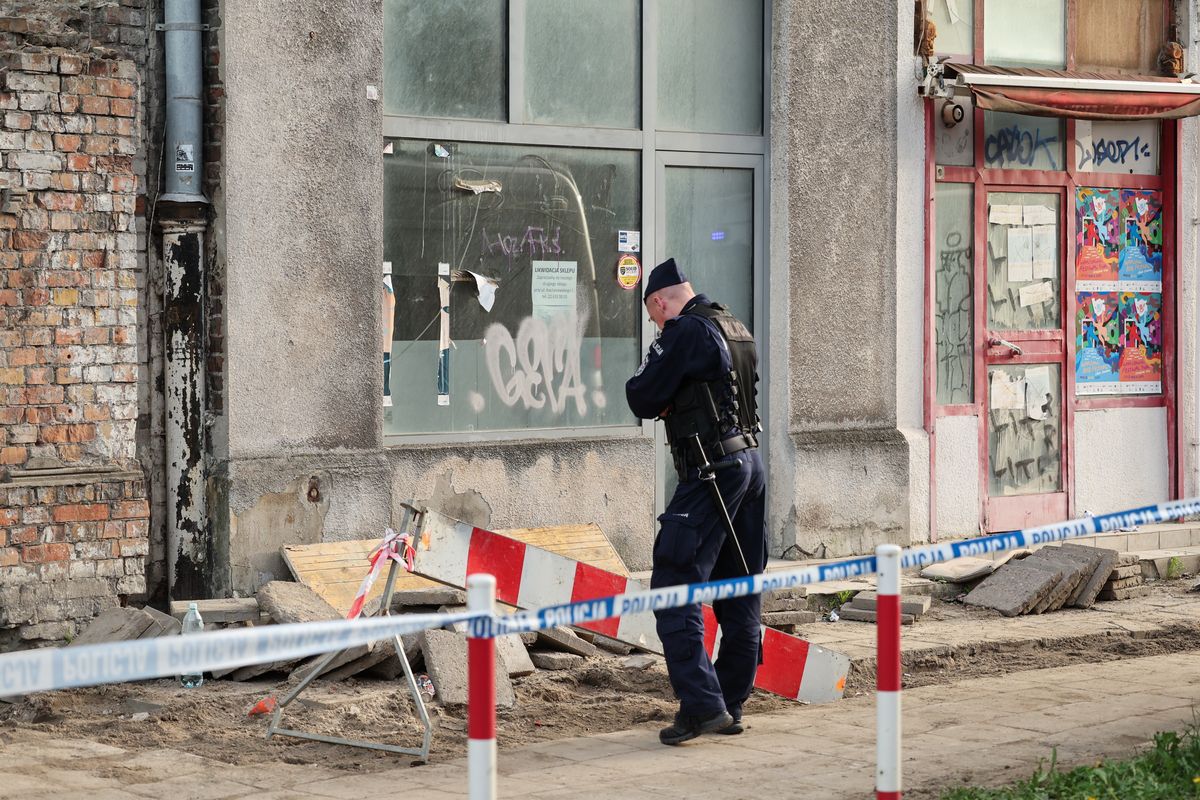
column 600, row 695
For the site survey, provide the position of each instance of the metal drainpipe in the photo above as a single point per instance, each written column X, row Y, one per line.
column 183, row 220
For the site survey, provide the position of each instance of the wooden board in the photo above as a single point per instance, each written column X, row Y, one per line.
column 335, row 570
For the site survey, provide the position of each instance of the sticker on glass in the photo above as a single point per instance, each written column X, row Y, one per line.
column 629, row 241
column 629, row 272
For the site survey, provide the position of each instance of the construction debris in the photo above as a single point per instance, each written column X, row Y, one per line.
column 1125, row 581
column 546, row 659
column 289, row 602
column 222, row 610
column 119, row 625
column 1072, row 576
column 445, row 655
column 862, row 608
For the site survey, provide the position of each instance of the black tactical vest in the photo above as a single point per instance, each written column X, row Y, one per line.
column 713, row 409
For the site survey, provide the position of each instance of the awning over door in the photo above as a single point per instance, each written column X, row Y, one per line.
column 1082, row 95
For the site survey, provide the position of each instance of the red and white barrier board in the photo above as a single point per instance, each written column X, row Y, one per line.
column 528, row 577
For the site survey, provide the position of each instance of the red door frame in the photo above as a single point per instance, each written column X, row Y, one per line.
column 1168, row 181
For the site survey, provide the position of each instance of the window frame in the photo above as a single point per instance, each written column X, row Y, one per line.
column 646, row 140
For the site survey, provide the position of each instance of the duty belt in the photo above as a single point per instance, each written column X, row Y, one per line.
column 684, row 461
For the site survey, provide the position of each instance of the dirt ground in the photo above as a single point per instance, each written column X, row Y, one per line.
column 601, row 695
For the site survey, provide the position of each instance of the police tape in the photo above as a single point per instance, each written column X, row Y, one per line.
column 88, row 665
column 140, row 659
column 583, row 611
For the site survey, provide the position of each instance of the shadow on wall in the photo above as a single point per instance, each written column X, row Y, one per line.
column 296, row 516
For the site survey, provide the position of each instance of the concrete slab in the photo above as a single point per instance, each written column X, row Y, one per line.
column 440, row 596
column 1073, row 573
column 165, row 624
column 960, row 570
column 445, row 655
column 1013, row 589
column 288, row 602
column 391, row 668
column 1085, row 597
column 852, row 614
column 1124, row 594
column 514, row 655
column 116, row 625
column 565, row 640
column 549, row 659
column 916, row 606
column 774, row 618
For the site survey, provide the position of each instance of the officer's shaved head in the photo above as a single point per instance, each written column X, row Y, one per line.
column 668, row 301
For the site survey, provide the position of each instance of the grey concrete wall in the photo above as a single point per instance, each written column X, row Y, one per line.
column 834, row 187
column 301, row 223
column 303, row 179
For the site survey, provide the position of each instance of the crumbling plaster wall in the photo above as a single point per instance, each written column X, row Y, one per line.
column 301, row 212
column 844, row 484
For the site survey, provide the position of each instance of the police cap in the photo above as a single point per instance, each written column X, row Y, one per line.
column 665, row 274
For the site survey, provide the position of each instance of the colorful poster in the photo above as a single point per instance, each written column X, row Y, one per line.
column 1098, row 239
column 1141, row 343
column 1141, row 240
column 1097, row 343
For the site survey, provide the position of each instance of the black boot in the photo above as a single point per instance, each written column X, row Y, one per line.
column 688, row 727
column 735, row 728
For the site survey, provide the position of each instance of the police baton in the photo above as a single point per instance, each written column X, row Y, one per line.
column 708, row 474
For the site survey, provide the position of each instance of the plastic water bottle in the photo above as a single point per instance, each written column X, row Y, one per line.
column 192, row 623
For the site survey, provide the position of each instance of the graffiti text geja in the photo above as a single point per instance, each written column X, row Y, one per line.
column 1015, row 145
column 541, row 366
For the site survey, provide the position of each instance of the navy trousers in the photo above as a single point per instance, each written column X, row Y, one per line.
column 692, row 547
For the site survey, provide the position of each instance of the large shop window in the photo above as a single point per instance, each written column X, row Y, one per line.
column 522, row 193
column 501, row 259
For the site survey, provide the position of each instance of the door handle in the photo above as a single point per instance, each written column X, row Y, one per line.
column 996, row 341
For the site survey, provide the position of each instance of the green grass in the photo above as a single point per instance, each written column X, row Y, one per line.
column 1168, row 771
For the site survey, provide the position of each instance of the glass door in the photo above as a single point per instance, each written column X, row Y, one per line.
column 709, row 212
column 1023, row 436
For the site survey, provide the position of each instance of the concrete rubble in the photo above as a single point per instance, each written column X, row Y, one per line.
column 1070, row 576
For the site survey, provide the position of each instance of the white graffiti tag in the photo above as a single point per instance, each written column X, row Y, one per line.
column 541, row 366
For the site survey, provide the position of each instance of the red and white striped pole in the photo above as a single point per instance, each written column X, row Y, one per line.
column 481, row 694
column 887, row 673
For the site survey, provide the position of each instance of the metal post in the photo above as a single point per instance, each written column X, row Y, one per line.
column 887, row 673
column 481, row 692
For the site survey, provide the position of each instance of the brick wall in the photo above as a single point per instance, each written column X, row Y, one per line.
column 74, row 516
column 67, row 552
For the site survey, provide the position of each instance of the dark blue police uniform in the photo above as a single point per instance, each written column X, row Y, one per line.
column 692, row 544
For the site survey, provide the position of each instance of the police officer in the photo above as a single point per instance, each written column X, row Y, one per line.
column 700, row 377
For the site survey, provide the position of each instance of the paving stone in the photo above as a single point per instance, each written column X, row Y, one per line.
column 1125, row 583
column 1073, row 570
column 433, row 596
column 849, row 612
column 288, row 602
column 960, row 570
column 1120, row 573
column 514, row 655
column 1090, row 558
column 1086, row 596
column 390, row 668
column 548, row 659
column 116, row 625
column 641, row 661
column 908, row 605
column 165, row 624
column 1127, row 559
column 445, row 655
column 564, row 639
column 771, row 605
column 777, row 618
column 1013, row 589
column 604, row 643
column 1124, row 594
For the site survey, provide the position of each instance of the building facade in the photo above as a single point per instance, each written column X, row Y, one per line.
column 425, row 226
